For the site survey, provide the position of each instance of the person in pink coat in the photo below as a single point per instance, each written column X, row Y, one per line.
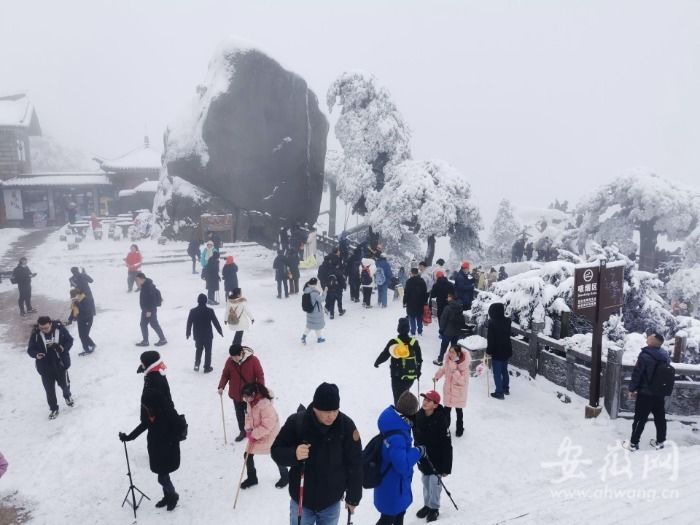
column 3, row 465
column 454, row 392
column 262, row 425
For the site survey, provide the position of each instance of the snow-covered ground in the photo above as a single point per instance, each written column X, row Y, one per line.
column 508, row 466
column 7, row 237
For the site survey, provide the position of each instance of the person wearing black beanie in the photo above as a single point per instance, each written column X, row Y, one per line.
column 165, row 427
column 406, row 359
column 322, row 443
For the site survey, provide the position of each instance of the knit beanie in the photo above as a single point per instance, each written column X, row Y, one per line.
column 407, row 404
column 327, row 397
column 403, row 327
column 147, row 359
column 235, row 350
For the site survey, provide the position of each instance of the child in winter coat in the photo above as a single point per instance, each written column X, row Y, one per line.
column 314, row 319
column 455, row 370
column 238, row 316
column 393, row 494
column 262, row 425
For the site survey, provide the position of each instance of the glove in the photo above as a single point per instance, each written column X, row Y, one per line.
column 123, row 437
column 376, row 365
column 249, row 434
column 423, row 451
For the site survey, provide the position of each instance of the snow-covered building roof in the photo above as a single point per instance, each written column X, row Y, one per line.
column 57, row 179
column 143, row 158
column 148, row 186
column 18, row 112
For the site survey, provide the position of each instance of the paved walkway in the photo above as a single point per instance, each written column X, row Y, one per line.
column 17, row 327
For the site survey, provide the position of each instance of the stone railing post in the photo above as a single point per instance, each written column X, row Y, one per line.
column 613, row 382
column 570, row 370
column 679, row 345
column 533, row 353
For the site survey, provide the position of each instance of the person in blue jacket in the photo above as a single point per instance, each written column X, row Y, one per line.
column 384, row 285
column 464, row 286
column 393, row 495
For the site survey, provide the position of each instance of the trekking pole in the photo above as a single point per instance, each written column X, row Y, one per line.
column 132, row 488
column 488, row 381
column 349, row 517
column 223, row 420
column 240, row 480
column 300, row 507
column 439, row 477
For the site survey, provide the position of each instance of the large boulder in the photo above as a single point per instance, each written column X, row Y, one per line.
column 254, row 136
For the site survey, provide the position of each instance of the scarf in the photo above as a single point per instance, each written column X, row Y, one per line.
column 158, row 366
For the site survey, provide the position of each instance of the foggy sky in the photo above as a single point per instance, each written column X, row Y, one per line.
column 530, row 99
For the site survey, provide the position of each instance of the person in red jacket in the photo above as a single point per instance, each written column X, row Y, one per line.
column 133, row 265
column 242, row 368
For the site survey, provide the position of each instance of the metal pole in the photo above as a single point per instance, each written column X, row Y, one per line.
column 593, row 408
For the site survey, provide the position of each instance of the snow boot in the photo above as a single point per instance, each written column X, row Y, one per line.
column 84, row 353
column 251, row 480
column 161, row 342
column 432, row 515
column 162, row 503
column 437, row 362
column 422, row 513
column 172, row 501
column 69, row 401
column 284, row 479
column 240, row 437
column 655, row 444
column 341, row 313
column 143, row 343
column 497, row 396
column 460, row 432
column 303, row 339
column 196, row 368
column 320, row 340
column 208, row 369
column 506, row 391
column 332, row 316
column 53, row 414
column 32, row 311
column 632, row 447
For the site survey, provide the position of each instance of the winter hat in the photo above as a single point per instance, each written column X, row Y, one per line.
column 74, row 270
column 202, row 299
column 407, row 404
column 439, row 275
column 440, row 262
column 465, row 265
column 229, row 259
column 432, row 395
column 403, row 327
column 235, row 350
column 147, row 359
column 327, row 397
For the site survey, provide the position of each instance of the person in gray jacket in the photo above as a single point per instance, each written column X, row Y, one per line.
column 315, row 319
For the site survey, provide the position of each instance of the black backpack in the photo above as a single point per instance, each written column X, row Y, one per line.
column 365, row 276
column 372, row 474
column 306, row 303
column 662, row 379
column 157, row 296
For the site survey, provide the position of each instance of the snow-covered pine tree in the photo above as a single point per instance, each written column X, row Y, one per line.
column 504, row 231
column 373, row 135
column 648, row 203
column 433, row 199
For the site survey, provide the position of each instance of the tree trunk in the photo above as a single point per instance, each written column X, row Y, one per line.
column 647, row 246
column 431, row 251
column 333, row 207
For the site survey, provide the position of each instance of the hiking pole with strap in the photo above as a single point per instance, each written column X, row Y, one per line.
column 132, row 488
column 240, row 480
column 439, row 477
column 223, row 419
column 300, row 507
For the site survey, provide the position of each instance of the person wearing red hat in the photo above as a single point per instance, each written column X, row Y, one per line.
column 229, row 274
column 464, row 286
column 432, row 430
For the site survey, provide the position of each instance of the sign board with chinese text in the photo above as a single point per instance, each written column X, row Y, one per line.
column 586, row 279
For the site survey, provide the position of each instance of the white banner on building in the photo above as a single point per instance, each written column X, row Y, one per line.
column 13, row 205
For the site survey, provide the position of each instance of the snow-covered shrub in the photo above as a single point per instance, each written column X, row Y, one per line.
column 504, row 230
column 684, row 287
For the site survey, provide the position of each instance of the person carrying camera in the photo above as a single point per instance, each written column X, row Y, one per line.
column 49, row 345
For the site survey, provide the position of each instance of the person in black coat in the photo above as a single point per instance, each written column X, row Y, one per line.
column 404, row 369
column 334, row 294
column 164, row 426
column 22, row 277
column 280, row 266
column 325, row 445
column 148, row 300
column 648, row 401
column 284, row 239
column 352, row 271
column 293, row 265
column 440, row 290
column 415, row 297
column 499, row 347
column 432, row 430
column 81, row 281
column 324, row 270
column 193, row 251
column 202, row 318
column 451, row 323
column 82, row 311
column 49, row 345
column 229, row 273
column 211, row 276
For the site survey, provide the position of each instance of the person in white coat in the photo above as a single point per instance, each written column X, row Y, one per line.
column 238, row 315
